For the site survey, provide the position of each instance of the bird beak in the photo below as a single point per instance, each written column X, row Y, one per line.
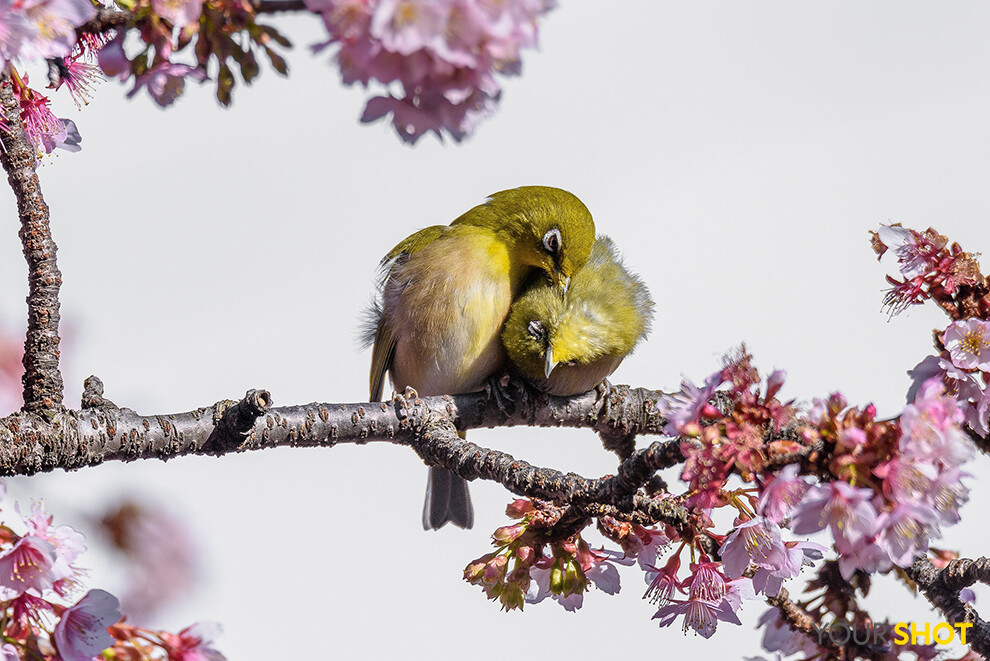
column 551, row 363
column 560, row 281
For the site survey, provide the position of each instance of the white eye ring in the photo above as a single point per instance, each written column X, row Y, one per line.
column 536, row 330
column 552, row 241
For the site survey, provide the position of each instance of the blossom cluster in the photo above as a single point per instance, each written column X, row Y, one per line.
column 884, row 489
column 931, row 269
column 439, row 57
column 42, row 619
column 215, row 35
column 890, row 484
column 46, row 30
column 525, row 568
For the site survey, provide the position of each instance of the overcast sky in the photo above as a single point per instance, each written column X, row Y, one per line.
column 738, row 153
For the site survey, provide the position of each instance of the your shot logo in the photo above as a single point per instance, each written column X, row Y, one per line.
column 899, row 633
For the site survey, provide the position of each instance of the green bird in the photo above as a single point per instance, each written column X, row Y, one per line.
column 445, row 293
column 569, row 345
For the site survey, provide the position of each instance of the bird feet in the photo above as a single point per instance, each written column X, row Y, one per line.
column 507, row 392
column 603, row 399
column 404, row 402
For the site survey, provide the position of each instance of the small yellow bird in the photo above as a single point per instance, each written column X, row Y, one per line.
column 569, row 345
column 445, row 293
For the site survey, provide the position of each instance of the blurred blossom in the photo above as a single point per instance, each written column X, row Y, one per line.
column 442, row 54
column 194, row 643
column 179, row 13
column 39, row 29
column 161, row 558
column 11, row 349
column 165, row 81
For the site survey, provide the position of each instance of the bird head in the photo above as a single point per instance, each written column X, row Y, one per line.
column 547, row 228
column 541, row 333
column 605, row 313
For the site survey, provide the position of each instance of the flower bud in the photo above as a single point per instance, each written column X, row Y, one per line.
column 519, row 508
column 507, row 534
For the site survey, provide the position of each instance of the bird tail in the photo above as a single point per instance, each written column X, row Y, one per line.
column 447, row 499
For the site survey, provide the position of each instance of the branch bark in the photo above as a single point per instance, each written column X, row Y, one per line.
column 941, row 587
column 42, row 378
column 101, row 432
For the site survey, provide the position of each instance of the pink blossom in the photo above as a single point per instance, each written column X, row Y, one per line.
column 645, row 544
column 67, row 543
column 194, row 643
column 430, row 112
column 77, row 76
column 663, row 582
column 768, row 579
column 159, row 556
column 912, row 257
column 11, row 368
column 903, row 533
column 13, row 30
column 112, row 58
column 685, row 406
column 165, row 81
column 442, row 54
column 539, row 589
column 406, row 26
column 775, row 382
column 778, row 636
column 906, row 480
column 754, row 542
column 707, row 581
column 781, row 494
column 589, row 567
column 864, row 553
column 968, row 344
column 28, row 565
column 930, row 428
column 179, row 13
column 51, row 26
column 948, row 494
column 43, row 129
column 844, row 508
column 699, row 614
column 82, row 633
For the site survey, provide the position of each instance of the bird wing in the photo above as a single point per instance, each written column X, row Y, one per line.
column 383, row 347
column 381, row 358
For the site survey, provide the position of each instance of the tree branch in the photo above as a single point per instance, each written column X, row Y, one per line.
column 106, row 19
column 101, row 432
column 42, row 378
column 941, row 587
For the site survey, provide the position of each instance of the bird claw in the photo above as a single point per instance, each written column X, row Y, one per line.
column 402, row 401
column 506, row 391
column 603, row 398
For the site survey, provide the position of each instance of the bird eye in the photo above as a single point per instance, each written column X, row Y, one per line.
column 551, row 241
column 536, row 330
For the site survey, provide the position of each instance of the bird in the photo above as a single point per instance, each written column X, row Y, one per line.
column 444, row 294
column 568, row 345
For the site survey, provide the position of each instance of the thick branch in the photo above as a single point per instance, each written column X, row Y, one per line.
column 42, row 378
column 101, row 432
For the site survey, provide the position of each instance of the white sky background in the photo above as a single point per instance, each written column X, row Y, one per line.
column 737, row 153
